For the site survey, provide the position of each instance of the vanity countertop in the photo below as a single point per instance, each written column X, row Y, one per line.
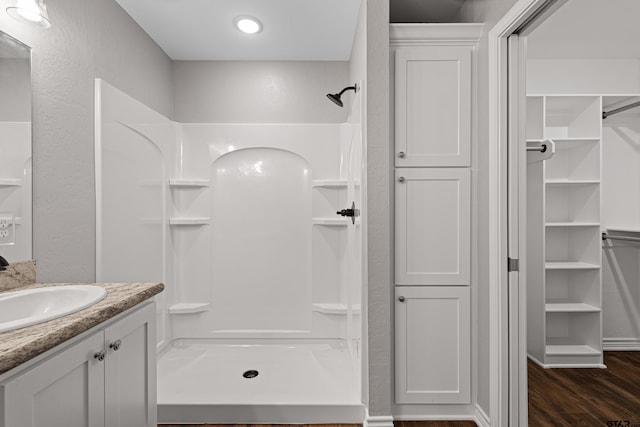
column 21, row 345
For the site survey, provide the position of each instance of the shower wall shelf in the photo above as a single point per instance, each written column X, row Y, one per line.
column 332, row 183
column 334, row 308
column 329, row 183
column 189, row 308
column 188, row 183
column 189, row 221
column 335, row 222
column 8, row 182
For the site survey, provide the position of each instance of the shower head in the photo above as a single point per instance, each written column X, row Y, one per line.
column 335, row 97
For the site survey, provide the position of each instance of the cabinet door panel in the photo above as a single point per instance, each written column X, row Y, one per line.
column 433, row 335
column 433, row 221
column 433, row 106
column 64, row 391
column 130, row 371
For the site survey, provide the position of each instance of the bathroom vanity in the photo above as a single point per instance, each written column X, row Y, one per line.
column 95, row 367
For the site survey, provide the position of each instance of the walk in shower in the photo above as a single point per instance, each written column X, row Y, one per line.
column 261, row 320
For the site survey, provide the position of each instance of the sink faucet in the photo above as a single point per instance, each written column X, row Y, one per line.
column 3, row 263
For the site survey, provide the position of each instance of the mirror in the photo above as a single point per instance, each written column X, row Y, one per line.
column 15, row 150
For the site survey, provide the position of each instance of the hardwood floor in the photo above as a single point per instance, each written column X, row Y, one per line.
column 587, row 397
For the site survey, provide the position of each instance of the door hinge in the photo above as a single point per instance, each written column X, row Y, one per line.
column 513, row 264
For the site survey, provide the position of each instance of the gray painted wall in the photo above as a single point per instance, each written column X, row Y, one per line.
column 489, row 12
column 259, row 91
column 90, row 38
column 379, row 205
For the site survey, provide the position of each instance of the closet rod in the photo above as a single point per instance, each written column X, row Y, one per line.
column 606, row 236
column 541, row 148
column 606, row 114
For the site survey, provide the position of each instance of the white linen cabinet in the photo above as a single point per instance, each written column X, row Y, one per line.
column 432, row 69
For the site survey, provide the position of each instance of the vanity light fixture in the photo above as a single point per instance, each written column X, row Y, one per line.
column 248, row 24
column 32, row 12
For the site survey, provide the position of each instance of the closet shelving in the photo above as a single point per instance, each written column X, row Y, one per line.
column 566, row 329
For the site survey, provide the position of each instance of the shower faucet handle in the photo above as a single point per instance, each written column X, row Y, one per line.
column 350, row 212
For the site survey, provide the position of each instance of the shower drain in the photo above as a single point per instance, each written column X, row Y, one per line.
column 250, row 374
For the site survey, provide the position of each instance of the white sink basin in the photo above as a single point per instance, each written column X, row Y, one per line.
column 30, row 306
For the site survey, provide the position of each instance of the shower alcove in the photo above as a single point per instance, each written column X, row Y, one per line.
column 261, row 318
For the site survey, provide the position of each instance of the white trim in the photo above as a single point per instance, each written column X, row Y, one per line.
column 482, row 419
column 377, row 421
column 434, row 33
column 621, row 344
column 498, row 279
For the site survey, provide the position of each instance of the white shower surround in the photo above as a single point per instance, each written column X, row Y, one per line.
column 180, row 234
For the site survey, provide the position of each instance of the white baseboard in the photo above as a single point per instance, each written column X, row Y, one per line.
column 482, row 419
column 621, row 344
column 377, row 421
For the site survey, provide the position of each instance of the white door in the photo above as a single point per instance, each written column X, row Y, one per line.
column 433, row 106
column 433, row 341
column 433, row 226
column 64, row 391
column 130, row 370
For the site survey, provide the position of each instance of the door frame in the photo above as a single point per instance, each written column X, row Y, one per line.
column 508, row 397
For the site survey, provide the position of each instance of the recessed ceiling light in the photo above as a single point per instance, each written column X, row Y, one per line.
column 248, row 24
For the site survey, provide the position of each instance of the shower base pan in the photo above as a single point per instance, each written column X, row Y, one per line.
column 257, row 382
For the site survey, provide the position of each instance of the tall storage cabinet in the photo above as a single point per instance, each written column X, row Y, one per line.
column 564, row 243
column 432, row 69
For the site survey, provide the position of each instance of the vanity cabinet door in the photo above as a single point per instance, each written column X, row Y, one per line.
column 64, row 391
column 130, row 370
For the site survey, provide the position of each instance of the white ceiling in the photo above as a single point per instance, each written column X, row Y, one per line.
column 292, row 29
column 589, row 29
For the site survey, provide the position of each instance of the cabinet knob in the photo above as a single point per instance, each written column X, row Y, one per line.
column 401, row 298
column 401, row 154
column 401, row 179
column 115, row 346
column 100, row 355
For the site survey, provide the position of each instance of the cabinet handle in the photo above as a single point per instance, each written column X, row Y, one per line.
column 115, row 346
column 401, row 154
column 401, row 298
column 100, row 355
column 401, row 179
